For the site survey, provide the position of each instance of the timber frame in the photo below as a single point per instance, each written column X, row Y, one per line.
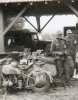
column 37, row 9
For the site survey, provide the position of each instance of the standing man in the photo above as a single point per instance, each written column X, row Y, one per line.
column 71, row 45
column 57, row 49
column 70, row 52
column 61, row 50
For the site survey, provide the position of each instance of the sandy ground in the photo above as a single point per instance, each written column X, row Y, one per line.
column 58, row 93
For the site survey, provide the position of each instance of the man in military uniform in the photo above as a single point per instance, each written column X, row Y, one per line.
column 71, row 52
column 57, row 49
column 63, row 58
column 71, row 45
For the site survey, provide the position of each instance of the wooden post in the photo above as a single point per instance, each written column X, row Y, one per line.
column 30, row 23
column 38, row 23
column 1, row 37
column 71, row 7
column 47, row 22
column 1, row 30
column 15, row 19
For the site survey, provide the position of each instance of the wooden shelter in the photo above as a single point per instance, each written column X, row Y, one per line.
column 37, row 8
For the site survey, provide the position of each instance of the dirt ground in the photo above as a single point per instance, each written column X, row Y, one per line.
column 58, row 93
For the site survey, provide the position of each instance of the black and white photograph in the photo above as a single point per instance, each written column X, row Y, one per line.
column 38, row 49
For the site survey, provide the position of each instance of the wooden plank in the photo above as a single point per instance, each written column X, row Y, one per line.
column 31, row 24
column 71, row 7
column 47, row 23
column 1, row 30
column 17, row 1
column 15, row 19
column 38, row 23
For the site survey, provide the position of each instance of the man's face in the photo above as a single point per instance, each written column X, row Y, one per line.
column 71, row 37
column 59, row 35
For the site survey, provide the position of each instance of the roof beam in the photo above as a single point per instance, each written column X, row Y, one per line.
column 31, row 24
column 15, row 19
column 71, row 7
column 47, row 22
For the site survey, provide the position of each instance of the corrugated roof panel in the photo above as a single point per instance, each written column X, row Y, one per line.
column 12, row 1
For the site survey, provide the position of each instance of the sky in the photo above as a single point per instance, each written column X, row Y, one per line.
column 56, row 24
